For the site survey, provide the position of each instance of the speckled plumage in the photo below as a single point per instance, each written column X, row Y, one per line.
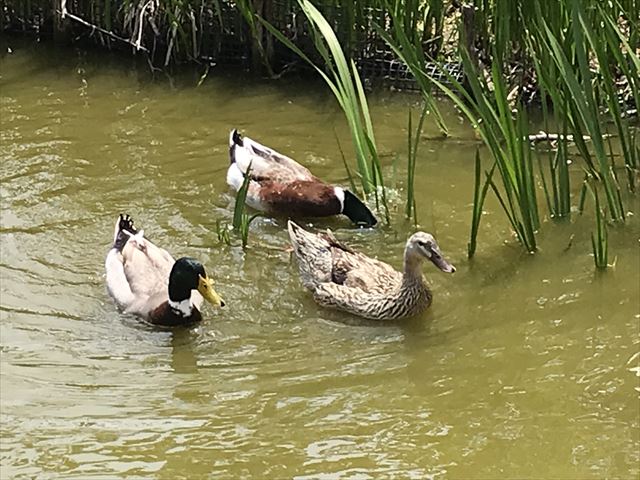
column 344, row 279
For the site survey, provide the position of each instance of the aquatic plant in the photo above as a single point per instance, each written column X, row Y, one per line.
column 560, row 45
column 578, row 57
column 504, row 132
column 557, row 186
column 583, row 111
column 599, row 239
column 557, row 190
column 260, row 53
column 479, row 194
column 222, row 231
column 413, row 140
column 241, row 219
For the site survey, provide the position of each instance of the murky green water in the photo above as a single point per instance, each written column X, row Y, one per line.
column 523, row 367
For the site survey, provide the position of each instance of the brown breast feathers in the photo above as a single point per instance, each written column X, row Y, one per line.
column 301, row 198
column 165, row 316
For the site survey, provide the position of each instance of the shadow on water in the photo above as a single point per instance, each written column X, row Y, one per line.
column 183, row 355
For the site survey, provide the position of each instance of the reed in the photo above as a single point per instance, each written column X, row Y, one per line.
column 557, row 189
column 583, row 111
column 479, row 195
column 578, row 54
column 559, row 203
column 413, row 140
column 599, row 239
column 505, row 135
column 222, row 231
column 629, row 63
column 575, row 67
column 559, row 42
column 241, row 219
column 260, row 53
column 557, row 186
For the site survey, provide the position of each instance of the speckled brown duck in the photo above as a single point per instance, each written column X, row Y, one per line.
column 344, row 279
column 145, row 280
column 280, row 185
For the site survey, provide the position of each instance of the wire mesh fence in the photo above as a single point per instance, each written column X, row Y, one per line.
column 216, row 32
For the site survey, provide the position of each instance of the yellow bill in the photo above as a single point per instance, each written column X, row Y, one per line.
column 205, row 287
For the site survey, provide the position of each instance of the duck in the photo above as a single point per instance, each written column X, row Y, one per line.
column 281, row 186
column 145, row 280
column 344, row 279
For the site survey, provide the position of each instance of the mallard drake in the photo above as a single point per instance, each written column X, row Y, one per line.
column 344, row 279
column 146, row 281
column 280, row 185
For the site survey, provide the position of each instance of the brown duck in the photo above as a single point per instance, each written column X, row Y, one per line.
column 344, row 279
column 280, row 185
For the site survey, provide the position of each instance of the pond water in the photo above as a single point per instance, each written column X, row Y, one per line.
column 526, row 366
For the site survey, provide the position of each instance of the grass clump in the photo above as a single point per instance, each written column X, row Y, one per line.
column 576, row 53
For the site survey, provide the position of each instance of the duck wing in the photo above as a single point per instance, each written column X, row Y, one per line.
column 358, row 271
column 147, row 267
column 361, row 285
column 266, row 164
column 314, row 254
column 136, row 269
column 323, row 259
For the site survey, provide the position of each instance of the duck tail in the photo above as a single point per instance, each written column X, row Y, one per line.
column 295, row 235
column 305, row 244
column 313, row 253
column 235, row 139
column 357, row 211
column 123, row 231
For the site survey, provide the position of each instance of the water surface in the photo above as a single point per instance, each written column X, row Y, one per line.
column 524, row 367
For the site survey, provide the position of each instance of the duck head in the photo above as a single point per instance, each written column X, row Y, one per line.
column 188, row 274
column 422, row 245
column 355, row 209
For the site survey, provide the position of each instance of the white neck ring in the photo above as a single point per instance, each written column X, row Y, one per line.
column 184, row 307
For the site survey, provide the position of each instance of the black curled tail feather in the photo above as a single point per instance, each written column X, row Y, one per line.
column 235, row 139
column 357, row 211
column 125, row 224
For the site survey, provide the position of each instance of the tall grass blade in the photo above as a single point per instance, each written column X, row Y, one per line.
column 479, row 196
column 600, row 240
column 241, row 197
column 412, row 154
